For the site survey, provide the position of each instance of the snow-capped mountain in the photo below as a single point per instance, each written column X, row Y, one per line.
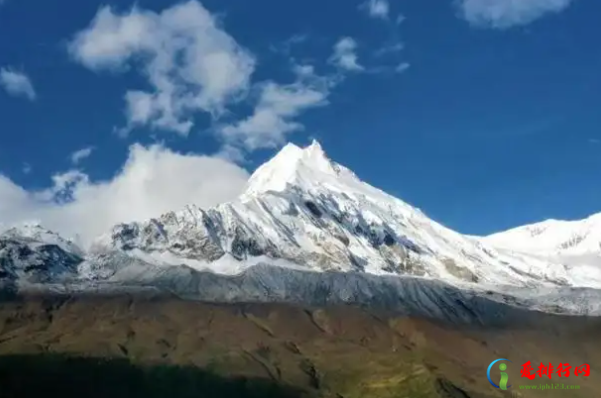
column 553, row 237
column 305, row 229
column 34, row 254
column 304, row 211
column 576, row 244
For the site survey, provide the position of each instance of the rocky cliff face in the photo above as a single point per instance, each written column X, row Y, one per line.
column 33, row 254
column 305, row 211
column 305, row 230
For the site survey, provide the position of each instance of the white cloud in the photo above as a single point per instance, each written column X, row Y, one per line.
column 17, row 83
column 345, row 50
column 276, row 108
column 191, row 64
column 144, row 188
column 81, row 154
column 286, row 46
column 390, row 49
column 503, row 14
column 194, row 66
column 377, row 8
column 345, row 56
column 232, row 153
column 402, row 67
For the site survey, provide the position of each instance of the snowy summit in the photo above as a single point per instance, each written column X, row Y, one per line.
column 301, row 211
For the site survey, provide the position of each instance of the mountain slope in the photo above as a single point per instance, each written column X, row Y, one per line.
column 327, row 352
column 576, row 244
column 306, row 230
column 34, row 254
column 302, row 210
column 553, row 236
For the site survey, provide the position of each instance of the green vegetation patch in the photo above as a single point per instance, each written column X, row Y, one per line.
column 25, row 376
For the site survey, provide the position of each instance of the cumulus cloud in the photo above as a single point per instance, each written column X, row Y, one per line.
column 145, row 187
column 502, row 14
column 81, row 154
column 279, row 105
column 193, row 65
column 276, row 108
column 377, row 8
column 190, row 62
column 17, row 83
column 345, row 56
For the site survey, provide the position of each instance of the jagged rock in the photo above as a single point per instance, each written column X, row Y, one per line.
column 300, row 212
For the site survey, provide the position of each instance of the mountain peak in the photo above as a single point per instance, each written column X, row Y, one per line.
column 315, row 146
column 289, row 166
column 29, row 229
column 33, row 231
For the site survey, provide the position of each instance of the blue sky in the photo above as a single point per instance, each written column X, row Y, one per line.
column 483, row 114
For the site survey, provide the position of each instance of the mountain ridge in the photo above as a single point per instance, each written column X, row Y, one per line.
column 304, row 208
column 568, row 236
column 300, row 211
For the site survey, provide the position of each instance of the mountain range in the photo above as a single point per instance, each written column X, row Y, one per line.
column 308, row 229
